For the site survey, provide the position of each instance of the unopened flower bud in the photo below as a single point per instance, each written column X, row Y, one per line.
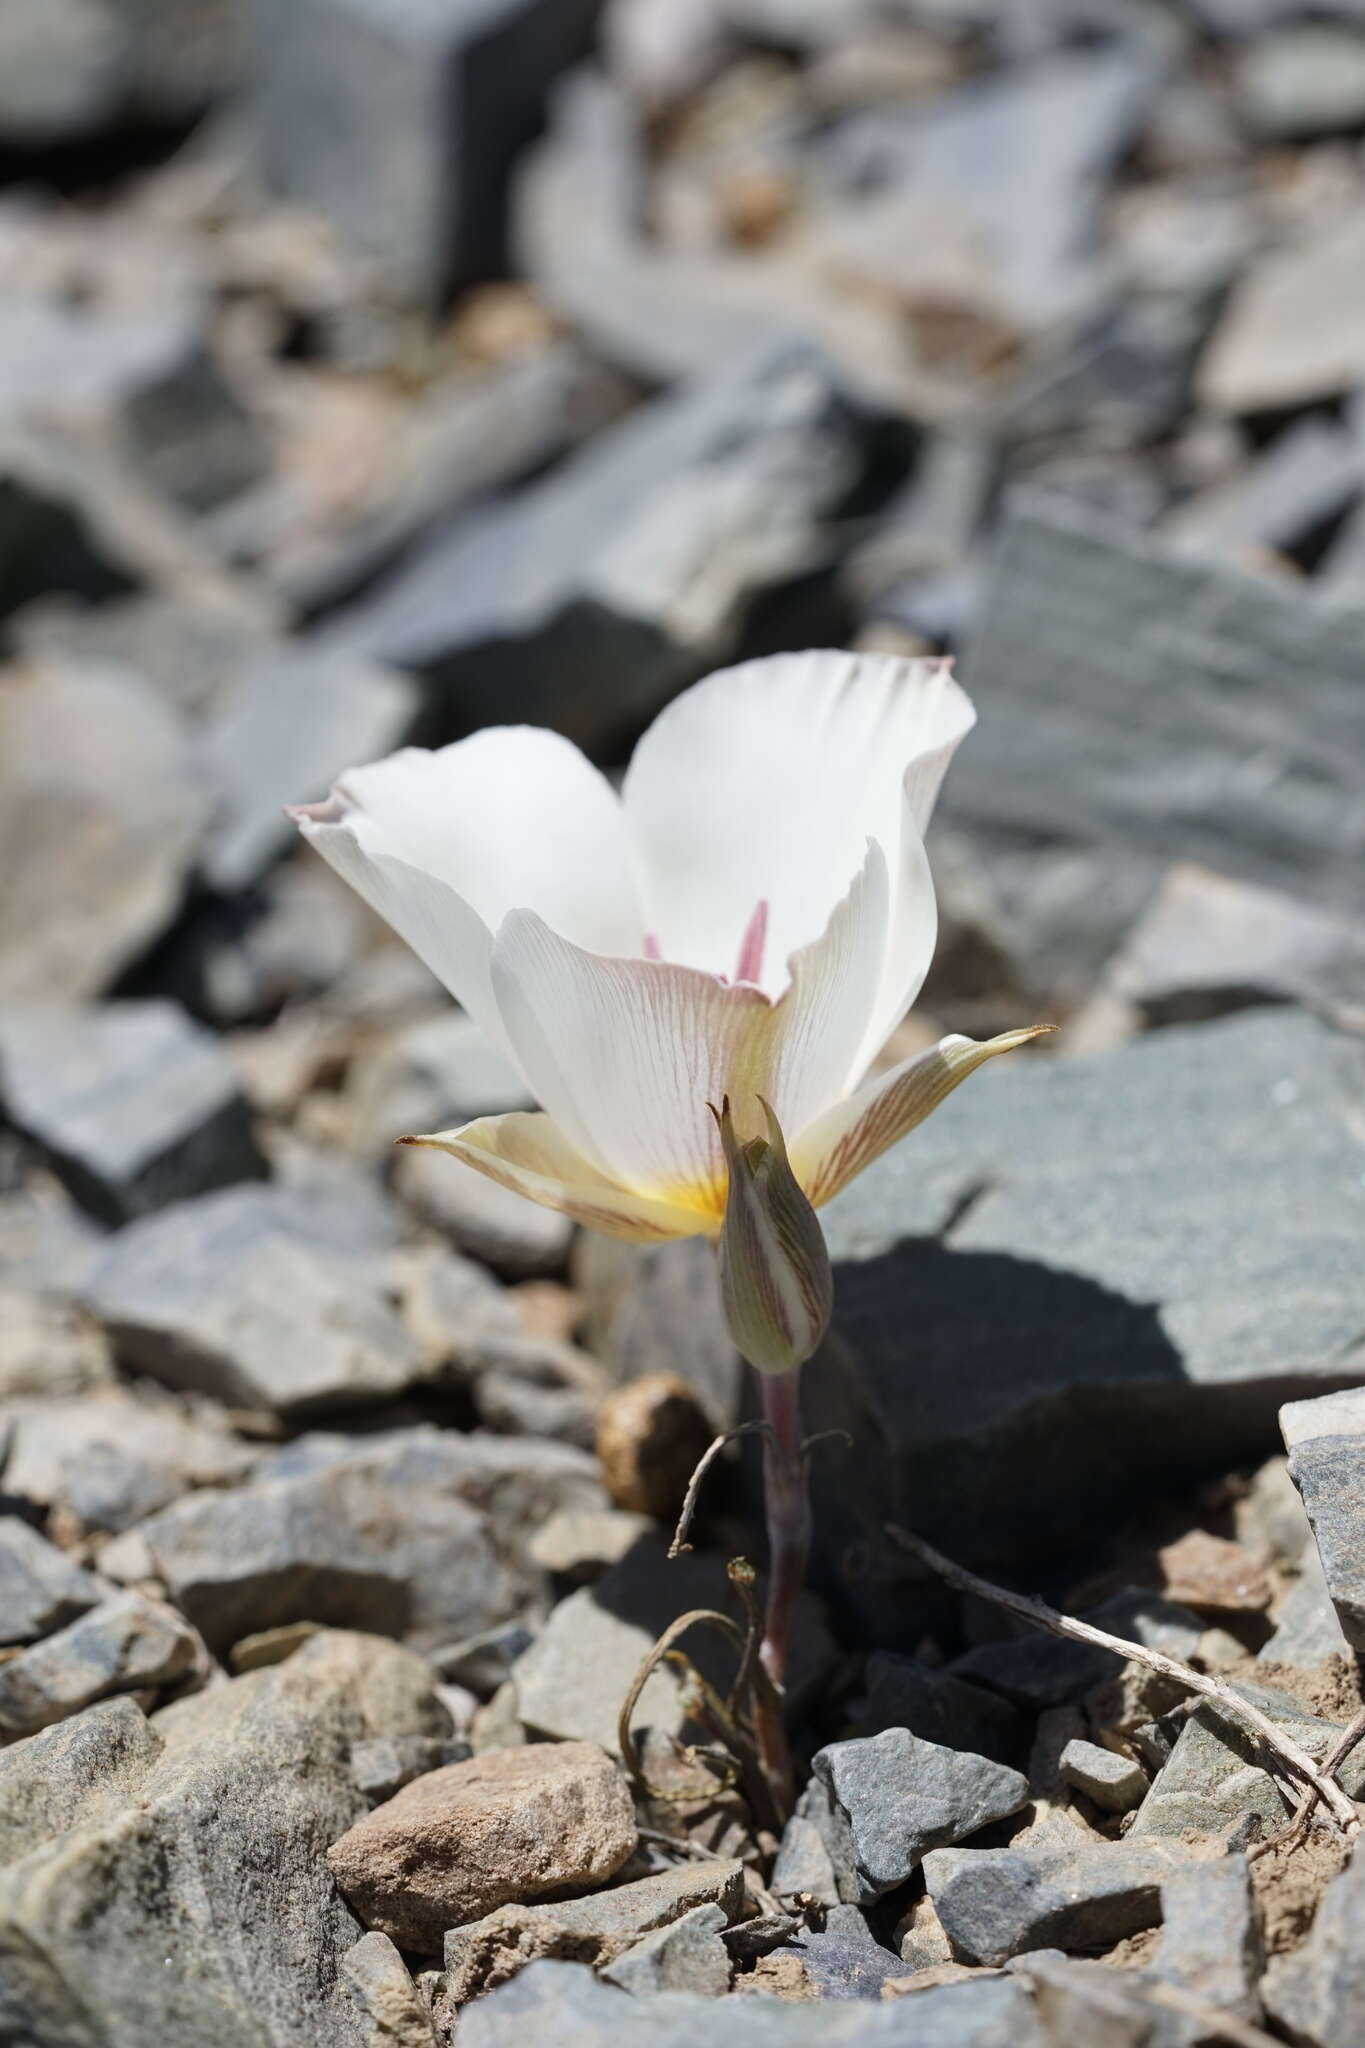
column 775, row 1281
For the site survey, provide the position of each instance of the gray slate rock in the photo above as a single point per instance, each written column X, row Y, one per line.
column 570, row 1683
column 132, row 1104
column 339, row 1546
column 1290, row 494
column 804, row 1862
column 688, row 1955
column 127, row 1644
column 588, row 599
column 1215, row 1775
column 1317, row 1994
column 1039, row 1671
column 82, row 1770
column 996, row 1903
column 1082, row 1329
column 598, row 1928
column 894, row 1797
column 517, row 1238
column 401, row 121
column 840, row 1959
column 204, row 1910
column 1211, row 1937
column 387, row 2002
column 1306, row 1628
column 1325, row 1439
column 382, row 1767
column 40, row 1588
column 111, row 1457
column 253, row 1295
column 566, row 2002
column 1303, row 82
column 1206, row 648
column 1116, row 1783
column 297, row 719
column 903, row 1693
column 95, row 864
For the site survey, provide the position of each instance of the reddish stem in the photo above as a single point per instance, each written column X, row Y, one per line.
column 788, row 1516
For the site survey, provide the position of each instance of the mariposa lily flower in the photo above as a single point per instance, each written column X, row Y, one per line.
column 749, row 918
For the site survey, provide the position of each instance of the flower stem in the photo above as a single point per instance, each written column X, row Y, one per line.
column 788, row 1515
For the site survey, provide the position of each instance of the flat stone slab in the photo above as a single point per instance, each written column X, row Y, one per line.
column 1079, row 1279
column 253, row 1296
column 1130, row 697
column 996, row 1903
column 133, row 1104
column 1325, row 1439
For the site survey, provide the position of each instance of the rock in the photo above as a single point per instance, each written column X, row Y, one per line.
column 598, row 1929
column 504, row 1230
column 902, row 1693
column 509, row 1825
column 250, row 1786
column 571, row 1682
column 251, row 1296
column 267, row 1645
column 1315, row 1995
column 1325, row 1439
column 590, row 597
column 1303, row 82
column 1083, row 1332
column 81, row 1771
column 336, row 1546
column 390, row 2010
column 297, row 719
column 1208, row 944
column 1021, row 157
column 100, row 820
column 1293, row 331
column 1215, row 1776
column 433, row 1076
column 1179, row 631
column 1115, row 1783
column 688, row 1955
column 126, row 1644
column 483, row 1662
column 894, row 1797
column 651, row 1435
column 1306, row 1627
column 438, row 102
column 804, row 1863
column 841, row 1960
column 41, row 1589
column 132, row 1104
column 48, row 1347
column 384, row 1766
column 516, row 1481
column 995, row 1903
column 112, row 1457
column 656, row 1309
column 1211, row 1937
column 564, row 2000
column 65, row 70
column 581, row 1545
column 1037, row 1670
column 1283, row 501
column 1212, row 1575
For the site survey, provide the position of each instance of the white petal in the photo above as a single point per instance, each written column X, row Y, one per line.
column 837, row 1146
column 443, row 844
column 766, row 781
column 626, row 1054
column 530, row 1155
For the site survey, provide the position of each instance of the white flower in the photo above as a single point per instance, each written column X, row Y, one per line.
column 750, row 918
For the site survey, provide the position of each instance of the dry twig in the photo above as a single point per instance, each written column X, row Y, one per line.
column 1295, row 1760
column 704, row 1464
column 1291, row 1836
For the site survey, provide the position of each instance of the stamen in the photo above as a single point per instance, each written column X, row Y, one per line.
column 750, row 966
column 653, row 950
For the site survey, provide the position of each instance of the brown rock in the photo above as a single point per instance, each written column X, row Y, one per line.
column 595, row 1930
column 650, row 1436
column 510, row 1824
column 1211, row 1574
